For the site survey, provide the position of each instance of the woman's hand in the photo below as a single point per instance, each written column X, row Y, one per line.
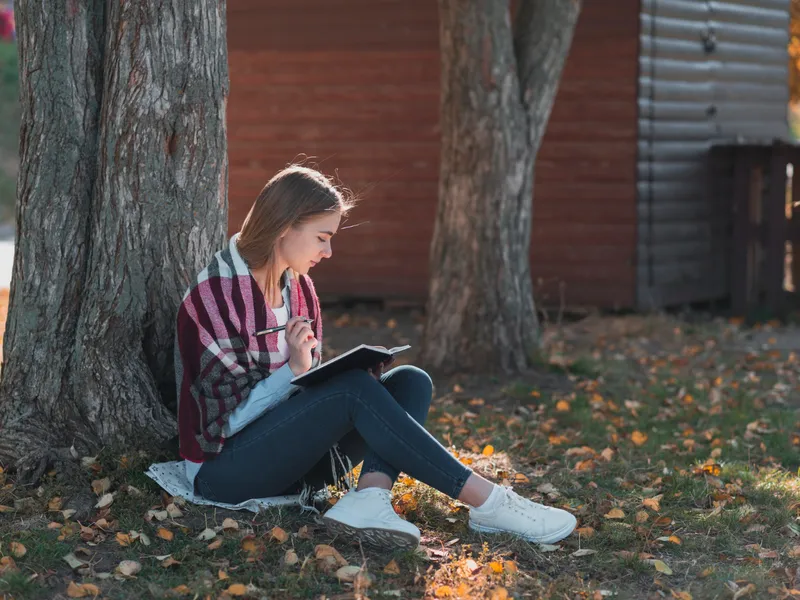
column 377, row 370
column 300, row 339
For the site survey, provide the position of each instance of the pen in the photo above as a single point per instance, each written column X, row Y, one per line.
column 279, row 328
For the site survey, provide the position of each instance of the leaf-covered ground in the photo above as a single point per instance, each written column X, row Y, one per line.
column 676, row 445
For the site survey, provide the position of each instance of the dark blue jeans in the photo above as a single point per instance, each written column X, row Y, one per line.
column 379, row 422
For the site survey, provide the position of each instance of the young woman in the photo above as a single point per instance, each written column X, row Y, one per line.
column 247, row 432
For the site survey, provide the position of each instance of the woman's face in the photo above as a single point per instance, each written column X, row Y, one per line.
column 304, row 246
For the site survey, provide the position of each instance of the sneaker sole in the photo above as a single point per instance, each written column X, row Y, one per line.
column 554, row 537
column 373, row 536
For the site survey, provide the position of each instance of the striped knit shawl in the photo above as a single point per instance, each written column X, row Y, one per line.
column 218, row 359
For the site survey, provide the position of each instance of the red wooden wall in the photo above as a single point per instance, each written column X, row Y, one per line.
column 354, row 84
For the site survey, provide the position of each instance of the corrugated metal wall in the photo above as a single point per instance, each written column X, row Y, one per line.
column 709, row 71
column 355, row 83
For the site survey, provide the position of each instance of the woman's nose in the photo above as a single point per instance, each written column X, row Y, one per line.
column 328, row 251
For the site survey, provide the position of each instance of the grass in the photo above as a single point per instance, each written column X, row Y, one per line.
column 678, row 452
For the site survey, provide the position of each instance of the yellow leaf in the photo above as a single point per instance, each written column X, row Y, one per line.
column 794, row 552
column 169, row 561
column 237, row 589
column 444, row 591
column 250, row 545
column 661, row 567
column 642, row 516
column 392, row 568
column 279, row 534
column 182, row 590
column 706, row 572
column 521, row 478
column 653, row 504
column 82, row 590
column 562, row 406
column 499, row 593
column 487, row 451
column 675, row 540
column 165, row 534
column 123, row 539
column 681, row 595
column 615, row 513
column 215, row 544
column 221, row 575
column 17, row 549
column 510, row 566
column 7, row 564
column 496, row 567
column 714, row 470
column 638, row 438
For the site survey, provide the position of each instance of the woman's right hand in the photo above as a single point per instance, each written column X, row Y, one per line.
column 300, row 339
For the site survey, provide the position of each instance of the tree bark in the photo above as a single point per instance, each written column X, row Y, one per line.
column 122, row 200
column 498, row 87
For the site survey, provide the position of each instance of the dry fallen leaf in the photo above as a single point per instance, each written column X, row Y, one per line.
column 794, row 552
column 499, row 593
column 236, row 589
column 123, row 539
column 583, row 552
column 444, row 591
column 392, row 568
column 279, row 534
column 207, row 534
column 215, row 544
column 105, row 501
column 54, row 504
column 7, row 564
column 585, row 531
column 653, row 504
column 496, row 567
column 661, row 566
column 488, row 450
column 323, row 551
column 230, row 524
column 101, row 486
column 173, row 511
column 745, row 591
column 181, row 590
column 82, row 590
column 615, row 513
column 290, row 558
column 642, row 516
column 17, row 549
column 169, row 561
column 347, row 573
column 638, row 438
column 73, row 561
column 128, row 568
column 165, row 534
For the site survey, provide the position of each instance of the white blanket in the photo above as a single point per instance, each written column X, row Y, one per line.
column 171, row 476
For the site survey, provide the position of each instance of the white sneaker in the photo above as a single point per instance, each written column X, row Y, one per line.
column 368, row 515
column 531, row 521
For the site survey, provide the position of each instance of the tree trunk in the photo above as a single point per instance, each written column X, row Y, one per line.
column 498, row 87
column 122, row 200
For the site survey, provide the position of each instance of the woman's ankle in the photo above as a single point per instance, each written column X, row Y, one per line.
column 476, row 491
column 374, row 479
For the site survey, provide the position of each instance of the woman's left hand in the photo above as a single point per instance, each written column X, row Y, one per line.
column 377, row 370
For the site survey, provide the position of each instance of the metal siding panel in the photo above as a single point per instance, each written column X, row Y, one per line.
column 710, row 71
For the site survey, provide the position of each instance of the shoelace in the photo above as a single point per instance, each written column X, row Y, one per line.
column 521, row 505
column 387, row 510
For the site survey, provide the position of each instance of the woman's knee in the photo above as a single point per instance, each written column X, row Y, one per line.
column 412, row 378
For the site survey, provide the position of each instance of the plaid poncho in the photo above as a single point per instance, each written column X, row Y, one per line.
column 218, row 359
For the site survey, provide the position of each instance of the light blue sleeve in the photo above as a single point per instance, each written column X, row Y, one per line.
column 266, row 394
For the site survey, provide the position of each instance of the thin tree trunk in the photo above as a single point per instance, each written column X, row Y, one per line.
column 95, row 368
column 498, row 87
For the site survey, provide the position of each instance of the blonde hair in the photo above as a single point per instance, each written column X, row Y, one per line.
column 291, row 198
